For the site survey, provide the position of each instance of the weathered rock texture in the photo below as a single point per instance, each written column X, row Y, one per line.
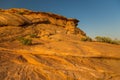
column 17, row 17
column 13, row 19
column 56, row 52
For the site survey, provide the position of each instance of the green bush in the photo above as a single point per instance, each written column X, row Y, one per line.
column 33, row 35
column 25, row 41
column 86, row 39
column 103, row 39
column 115, row 42
column 107, row 40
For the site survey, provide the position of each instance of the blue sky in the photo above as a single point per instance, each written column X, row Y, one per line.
column 97, row 17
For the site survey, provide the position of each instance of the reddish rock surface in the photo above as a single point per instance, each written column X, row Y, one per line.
column 56, row 53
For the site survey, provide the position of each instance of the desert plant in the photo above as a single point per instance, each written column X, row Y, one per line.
column 103, row 39
column 115, row 42
column 107, row 40
column 86, row 39
column 25, row 41
column 98, row 38
column 33, row 35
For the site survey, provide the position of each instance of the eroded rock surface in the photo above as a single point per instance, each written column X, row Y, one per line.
column 56, row 52
column 17, row 17
column 13, row 19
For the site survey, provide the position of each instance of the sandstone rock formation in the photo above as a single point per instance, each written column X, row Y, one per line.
column 13, row 19
column 17, row 17
column 56, row 52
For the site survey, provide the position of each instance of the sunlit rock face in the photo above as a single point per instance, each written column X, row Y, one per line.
column 56, row 52
column 17, row 17
column 13, row 19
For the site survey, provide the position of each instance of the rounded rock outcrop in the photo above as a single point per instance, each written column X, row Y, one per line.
column 13, row 19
